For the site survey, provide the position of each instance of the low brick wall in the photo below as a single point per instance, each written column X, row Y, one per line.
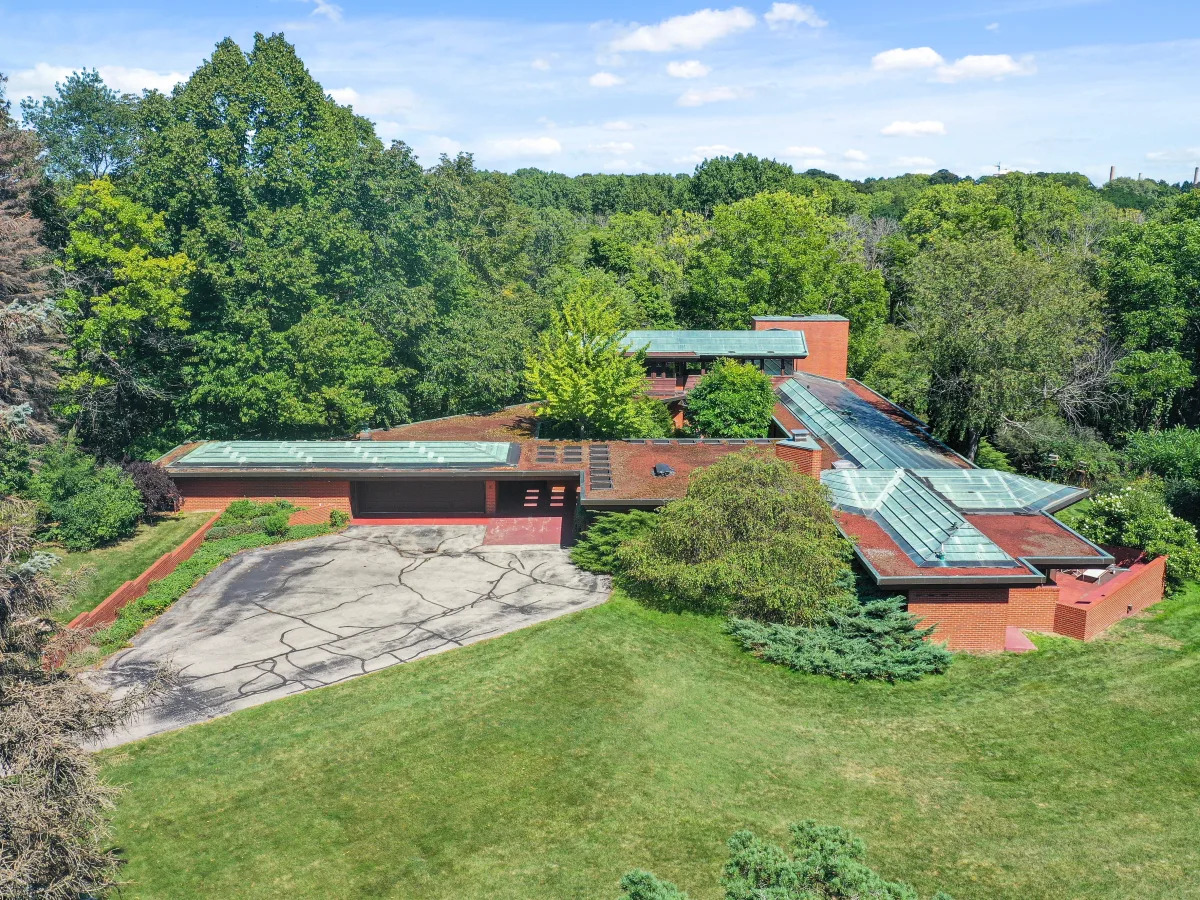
column 317, row 495
column 803, row 460
column 1125, row 595
column 966, row 618
column 1033, row 608
column 106, row 613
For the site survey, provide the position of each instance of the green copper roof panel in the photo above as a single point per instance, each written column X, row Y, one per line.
column 855, row 429
column 743, row 344
column 925, row 527
column 347, row 455
column 976, row 490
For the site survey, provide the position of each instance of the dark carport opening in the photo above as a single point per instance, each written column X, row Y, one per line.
column 419, row 497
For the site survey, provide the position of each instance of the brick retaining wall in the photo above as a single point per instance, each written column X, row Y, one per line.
column 1126, row 595
column 106, row 612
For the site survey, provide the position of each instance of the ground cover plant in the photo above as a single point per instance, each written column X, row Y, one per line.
column 102, row 571
column 822, row 862
column 874, row 639
column 551, row 761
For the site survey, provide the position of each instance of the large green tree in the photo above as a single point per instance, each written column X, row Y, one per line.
column 779, row 254
column 581, row 377
column 125, row 317
column 310, row 266
column 1004, row 335
column 87, row 128
column 1151, row 276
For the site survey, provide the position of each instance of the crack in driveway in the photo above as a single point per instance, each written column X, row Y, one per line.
column 272, row 622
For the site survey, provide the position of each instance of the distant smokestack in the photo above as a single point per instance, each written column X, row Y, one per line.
column 1195, row 177
column 1112, row 172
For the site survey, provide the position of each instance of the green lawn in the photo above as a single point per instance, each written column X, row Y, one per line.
column 113, row 566
column 546, row 763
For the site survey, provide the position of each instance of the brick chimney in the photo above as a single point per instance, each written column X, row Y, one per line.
column 828, row 339
column 802, row 452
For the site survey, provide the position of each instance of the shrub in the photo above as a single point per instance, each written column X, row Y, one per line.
column 159, row 493
column 86, row 505
column 15, row 470
column 823, row 862
column 1138, row 516
column 733, row 400
column 876, row 640
column 1050, row 448
column 988, row 457
column 752, row 538
column 276, row 524
column 596, row 550
column 240, row 511
column 338, row 518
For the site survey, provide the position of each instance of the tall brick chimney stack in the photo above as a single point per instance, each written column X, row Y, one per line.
column 828, row 339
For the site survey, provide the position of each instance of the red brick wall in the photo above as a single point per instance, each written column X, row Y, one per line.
column 966, row 618
column 106, row 613
column 828, row 345
column 806, row 461
column 1141, row 590
column 1032, row 608
column 489, row 497
column 317, row 495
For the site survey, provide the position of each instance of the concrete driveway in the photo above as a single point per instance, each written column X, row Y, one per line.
column 285, row 619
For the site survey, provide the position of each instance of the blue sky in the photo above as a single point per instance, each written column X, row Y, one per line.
column 856, row 87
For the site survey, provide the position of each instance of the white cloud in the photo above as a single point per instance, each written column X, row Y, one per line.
column 901, row 59
column 331, row 11
column 618, row 125
column 605, row 80
column 707, row 151
column 803, row 151
column 691, row 68
column 433, row 145
column 699, row 97
column 915, row 163
column 346, row 96
column 613, row 147
column 389, row 101
column 1188, row 154
column 913, row 129
column 855, row 156
column 994, row 66
column 526, row 146
column 541, row 65
column 689, row 32
column 993, row 26
column 39, row 81
column 783, row 14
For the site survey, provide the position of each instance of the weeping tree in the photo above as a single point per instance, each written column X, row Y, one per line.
column 53, row 806
column 27, row 324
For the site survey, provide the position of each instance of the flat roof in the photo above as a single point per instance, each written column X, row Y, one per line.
column 733, row 344
column 826, row 317
column 345, row 455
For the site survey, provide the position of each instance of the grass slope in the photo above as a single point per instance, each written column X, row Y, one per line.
column 548, row 762
column 113, row 566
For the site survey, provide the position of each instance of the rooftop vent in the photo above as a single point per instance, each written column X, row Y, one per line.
column 844, row 464
column 662, row 470
column 800, row 434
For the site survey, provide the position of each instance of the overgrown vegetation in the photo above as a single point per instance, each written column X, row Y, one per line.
column 598, row 548
column 877, row 639
column 822, row 862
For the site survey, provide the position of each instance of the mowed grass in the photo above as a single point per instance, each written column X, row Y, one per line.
column 546, row 763
column 110, row 567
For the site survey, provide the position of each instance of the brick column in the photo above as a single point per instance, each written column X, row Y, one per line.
column 489, row 498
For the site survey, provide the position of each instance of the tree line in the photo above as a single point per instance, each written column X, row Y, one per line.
column 244, row 257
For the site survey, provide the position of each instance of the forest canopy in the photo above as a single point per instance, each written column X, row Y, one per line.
column 244, row 257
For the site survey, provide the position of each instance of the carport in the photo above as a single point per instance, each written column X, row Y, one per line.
column 419, row 497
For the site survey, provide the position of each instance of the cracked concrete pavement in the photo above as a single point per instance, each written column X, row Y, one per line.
column 280, row 620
